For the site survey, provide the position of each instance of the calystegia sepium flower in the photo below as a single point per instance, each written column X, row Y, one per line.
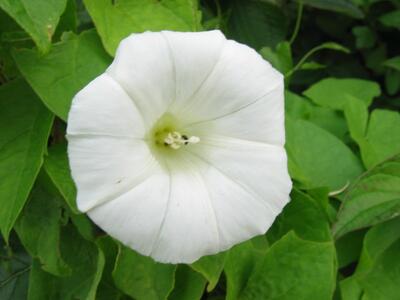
column 177, row 150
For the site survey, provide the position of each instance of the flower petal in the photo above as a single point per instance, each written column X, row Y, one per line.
column 103, row 108
column 105, row 167
column 135, row 217
column 262, row 121
column 258, row 167
column 195, row 54
column 144, row 68
column 240, row 78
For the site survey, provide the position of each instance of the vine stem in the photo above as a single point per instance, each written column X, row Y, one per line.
column 298, row 22
column 14, row 275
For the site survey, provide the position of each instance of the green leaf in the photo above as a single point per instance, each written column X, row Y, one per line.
column 116, row 20
column 141, row 277
column 39, row 18
column 340, row 6
column 376, row 276
column 189, row 285
column 280, row 58
column 107, row 289
column 331, row 120
column 305, row 216
column 24, row 130
column 57, row 167
column 333, row 92
column 67, row 68
column 317, row 158
column 294, row 269
column 356, row 113
column 372, row 199
column 240, row 263
column 382, row 138
column 365, row 37
column 256, row 23
column 39, row 231
column 348, row 248
column 391, row 19
column 392, row 81
column 86, row 261
column 211, row 268
column 393, row 62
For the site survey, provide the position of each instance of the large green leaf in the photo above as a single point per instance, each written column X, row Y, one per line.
column 317, row 158
column 340, row 6
column 39, row 18
column 107, row 289
column 294, row 269
column 86, row 261
column 334, row 93
column 39, row 231
column 382, row 138
column 210, row 267
column 189, row 285
column 57, row 167
column 329, row 119
column 240, row 262
column 304, row 215
column 373, row 198
column 116, row 20
column 377, row 274
column 24, row 130
column 256, row 23
column 67, row 68
column 141, row 277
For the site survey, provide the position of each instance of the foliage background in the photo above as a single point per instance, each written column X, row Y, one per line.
column 339, row 238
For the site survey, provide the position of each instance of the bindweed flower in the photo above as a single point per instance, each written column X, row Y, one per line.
column 177, row 149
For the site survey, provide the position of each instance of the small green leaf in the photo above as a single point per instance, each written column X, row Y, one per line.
column 67, row 68
column 391, row 19
column 365, row 37
column 39, row 231
column 294, row 269
column 280, row 58
column 141, row 277
column 189, row 285
column 39, row 18
column 257, row 23
column 333, row 92
column 374, row 198
column 317, row 158
column 211, row 268
column 57, row 167
column 393, row 62
column 24, row 130
column 116, row 20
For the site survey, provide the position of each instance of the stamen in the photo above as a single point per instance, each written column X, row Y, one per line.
column 175, row 140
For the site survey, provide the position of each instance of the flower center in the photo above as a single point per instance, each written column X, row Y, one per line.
column 165, row 135
column 175, row 140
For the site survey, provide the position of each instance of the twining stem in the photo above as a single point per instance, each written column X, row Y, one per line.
column 304, row 59
column 298, row 22
column 14, row 275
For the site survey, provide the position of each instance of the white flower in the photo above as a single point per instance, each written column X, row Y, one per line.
column 177, row 149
